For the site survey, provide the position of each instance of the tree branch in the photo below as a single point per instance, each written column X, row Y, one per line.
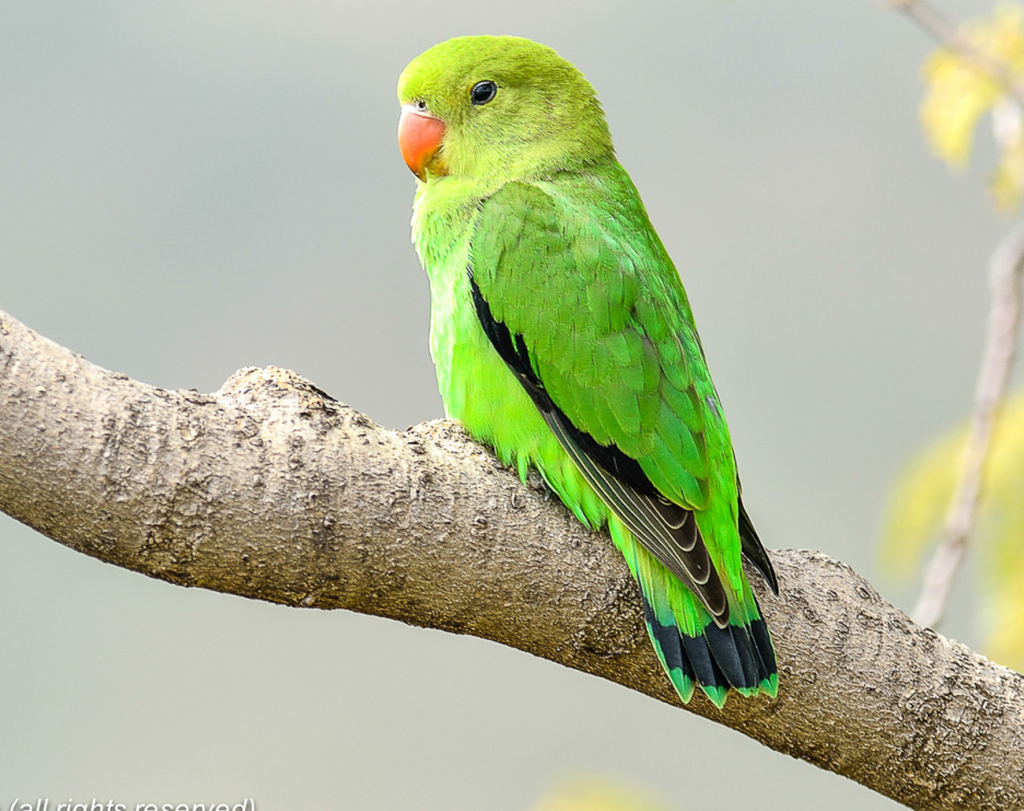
column 1000, row 346
column 271, row 490
column 996, row 364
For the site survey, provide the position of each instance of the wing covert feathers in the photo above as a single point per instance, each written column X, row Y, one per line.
column 613, row 364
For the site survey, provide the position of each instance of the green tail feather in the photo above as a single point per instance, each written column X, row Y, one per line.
column 692, row 649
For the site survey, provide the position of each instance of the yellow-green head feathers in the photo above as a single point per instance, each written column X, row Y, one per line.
column 511, row 109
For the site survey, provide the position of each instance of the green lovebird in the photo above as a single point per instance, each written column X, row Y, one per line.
column 563, row 339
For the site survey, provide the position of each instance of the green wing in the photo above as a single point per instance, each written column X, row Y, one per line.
column 588, row 311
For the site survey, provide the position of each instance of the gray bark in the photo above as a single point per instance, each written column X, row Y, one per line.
column 270, row 489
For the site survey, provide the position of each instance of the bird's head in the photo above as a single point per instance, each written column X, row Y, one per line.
column 494, row 109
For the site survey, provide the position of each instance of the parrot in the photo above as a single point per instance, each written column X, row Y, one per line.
column 563, row 339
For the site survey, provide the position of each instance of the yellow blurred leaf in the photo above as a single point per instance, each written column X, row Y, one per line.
column 590, row 793
column 1003, row 615
column 918, row 504
column 958, row 96
column 960, row 92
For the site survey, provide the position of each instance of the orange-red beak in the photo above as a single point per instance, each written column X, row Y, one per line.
column 419, row 138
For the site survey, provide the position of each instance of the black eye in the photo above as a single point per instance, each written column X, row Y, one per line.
column 483, row 92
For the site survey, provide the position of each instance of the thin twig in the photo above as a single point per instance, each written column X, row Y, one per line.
column 1000, row 344
column 950, row 37
column 1000, row 347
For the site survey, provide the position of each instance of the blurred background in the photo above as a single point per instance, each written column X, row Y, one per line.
column 192, row 186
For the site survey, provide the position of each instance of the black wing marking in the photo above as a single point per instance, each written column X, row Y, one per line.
column 754, row 549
